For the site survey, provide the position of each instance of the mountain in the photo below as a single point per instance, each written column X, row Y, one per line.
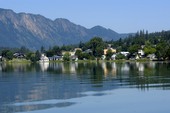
column 34, row 31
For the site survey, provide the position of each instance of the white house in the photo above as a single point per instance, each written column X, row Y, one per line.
column 55, row 57
column 113, row 50
column 113, row 57
column 152, row 56
column 125, row 53
column 141, row 52
column 44, row 58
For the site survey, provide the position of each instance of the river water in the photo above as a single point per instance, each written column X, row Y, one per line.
column 129, row 87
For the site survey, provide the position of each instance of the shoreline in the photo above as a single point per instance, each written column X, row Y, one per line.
column 83, row 61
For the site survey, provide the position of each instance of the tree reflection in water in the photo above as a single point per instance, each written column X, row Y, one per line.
column 34, row 82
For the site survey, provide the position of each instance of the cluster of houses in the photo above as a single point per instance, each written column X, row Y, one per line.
column 56, row 57
column 140, row 54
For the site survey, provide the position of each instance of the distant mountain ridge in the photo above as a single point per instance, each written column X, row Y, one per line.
column 34, row 31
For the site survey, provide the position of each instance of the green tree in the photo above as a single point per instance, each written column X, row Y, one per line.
column 149, row 50
column 161, row 50
column 109, row 54
column 134, row 48
column 87, row 56
column 37, row 55
column 120, row 56
column 28, row 55
column 49, row 53
column 97, row 45
column 79, row 54
column 7, row 54
column 66, row 56
column 33, row 57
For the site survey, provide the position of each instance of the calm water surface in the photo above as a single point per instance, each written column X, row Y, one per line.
column 129, row 87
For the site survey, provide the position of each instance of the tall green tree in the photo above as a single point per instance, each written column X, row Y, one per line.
column 161, row 50
column 97, row 45
column 37, row 55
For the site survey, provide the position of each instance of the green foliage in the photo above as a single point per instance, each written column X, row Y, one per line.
column 109, row 54
column 158, row 43
column 149, row 50
column 28, row 55
column 7, row 54
column 56, row 50
column 49, row 53
column 33, row 57
column 120, row 56
column 66, row 57
column 162, row 50
column 37, row 55
column 97, row 45
column 79, row 54
column 134, row 48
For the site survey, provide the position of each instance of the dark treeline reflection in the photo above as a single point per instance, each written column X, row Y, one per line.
column 45, row 81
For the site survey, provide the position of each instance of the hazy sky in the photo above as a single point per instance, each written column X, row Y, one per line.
column 122, row 16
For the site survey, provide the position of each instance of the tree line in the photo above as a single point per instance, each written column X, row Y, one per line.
column 157, row 43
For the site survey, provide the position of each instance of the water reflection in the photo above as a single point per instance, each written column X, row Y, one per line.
column 35, row 82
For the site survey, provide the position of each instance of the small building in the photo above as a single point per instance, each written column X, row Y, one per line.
column 103, row 57
column 152, row 57
column 113, row 50
column 125, row 53
column 74, row 58
column 113, row 57
column 77, row 49
column 137, row 57
column 88, row 51
column 55, row 57
column 19, row 55
column 72, row 53
column 44, row 58
column 141, row 52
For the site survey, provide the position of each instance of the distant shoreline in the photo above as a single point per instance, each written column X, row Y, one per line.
column 82, row 61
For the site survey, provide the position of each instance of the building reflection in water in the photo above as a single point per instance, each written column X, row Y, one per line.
column 125, row 68
column 109, row 69
column 34, row 82
column 44, row 66
column 140, row 67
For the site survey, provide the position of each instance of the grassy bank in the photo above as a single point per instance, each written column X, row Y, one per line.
column 18, row 61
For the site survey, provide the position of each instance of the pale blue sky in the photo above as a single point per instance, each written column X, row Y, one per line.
column 122, row 16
